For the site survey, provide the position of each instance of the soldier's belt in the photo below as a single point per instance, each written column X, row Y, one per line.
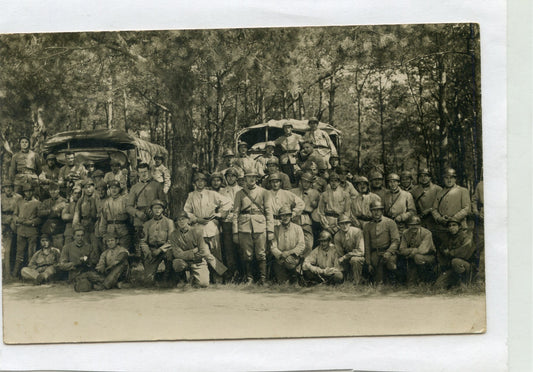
column 252, row 213
column 332, row 214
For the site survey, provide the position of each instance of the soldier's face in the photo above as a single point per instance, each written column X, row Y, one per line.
column 231, row 179
column 285, row 219
column 250, row 181
column 229, row 160
column 313, row 169
column 8, row 190
column 101, row 192
column 89, row 190
column 453, row 228
column 242, row 150
column 157, row 210
column 24, row 144
column 269, row 150
column 362, row 187
column 272, row 168
column 334, row 183
column 76, row 195
column 377, row 182
column 200, row 184
column 334, row 162
column 276, row 185
column 216, row 183
column 183, row 223
column 306, row 184
column 90, row 167
column 377, row 213
column 342, row 177
column 111, row 243
column 449, row 181
column 158, row 162
column 405, row 181
column 324, row 244
column 344, row 226
column 50, row 163
column 424, row 179
column 70, row 160
column 113, row 190
column 28, row 194
column 144, row 174
column 78, row 237
column 393, row 185
column 313, row 126
column 287, row 130
column 54, row 193
column 307, row 149
column 45, row 243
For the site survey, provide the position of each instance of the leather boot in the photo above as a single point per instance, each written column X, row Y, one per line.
column 248, row 272
column 262, row 272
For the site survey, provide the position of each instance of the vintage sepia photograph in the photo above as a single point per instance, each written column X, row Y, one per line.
column 242, row 183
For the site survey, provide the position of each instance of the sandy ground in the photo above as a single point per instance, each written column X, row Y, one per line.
column 55, row 313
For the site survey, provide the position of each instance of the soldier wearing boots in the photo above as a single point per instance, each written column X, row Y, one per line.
column 399, row 204
column 360, row 204
column 113, row 263
column 350, row 244
column 9, row 200
column 424, row 195
column 42, row 266
column 50, row 211
column 322, row 264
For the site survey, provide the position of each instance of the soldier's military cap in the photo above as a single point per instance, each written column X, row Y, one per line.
column 102, row 185
column 239, row 171
column 361, row 179
column 423, row 171
column 270, row 143
column 199, row 176
column 414, row 220
column 157, row 202
column 450, row 172
column 306, row 176
column 344, row 218
column 341, row 169
column 228, row 152
column 274, row 177
column 334, row 176
column 110, row 235
column 313, row 119
column 159, row 156
column 27, row 187
column 24, row 137
column 242, row 143
column 7, row 183
column 88, row 182
column 51, row 157
column 181, row 215
column 114, row 162
column 76, row 189
column 98, row 173
column 393, row 177
column 273, row 160
column 217, row 175
column 53, row 186
column 324, row 235
column 89, row 162
column 453, row 220
column 376, row 204
column 113, row 183
column 375, row 175
column 287, row 124
column 284, row 210
column 46, row 237
column 250, row 173
column 229, row 171
column 406, row 174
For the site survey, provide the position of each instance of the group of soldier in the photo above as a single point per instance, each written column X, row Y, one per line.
column 295, row 218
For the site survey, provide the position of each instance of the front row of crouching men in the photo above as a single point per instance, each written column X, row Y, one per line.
column 173, row 253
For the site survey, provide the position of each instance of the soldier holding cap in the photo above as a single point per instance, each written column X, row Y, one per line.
column 287, row 247
column 269, row 154
column 376, row 184
column 114, row 216
column 418, row 251
column 189, row 251
column 360, row 204
column 27, row 221
column 42, row 266
column 253, row 224
column 424, row 195
column 8, row 202
column 381, row 243
column 155, row 241
column 399, row 204
column 350, row 243
column 50, row 211
column 67, row 214
column 332, row 203
column 457, row 257
column 289, row 143
column 112, row 266
column 25, row 165
column 117, row 175
column 310, row 198
column 273, row 168
column 322, row 264
column 320, row 140
column 160, row 173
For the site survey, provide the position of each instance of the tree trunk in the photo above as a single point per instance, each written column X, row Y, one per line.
column 382, row 127
column 126, row 126
column 331, row 104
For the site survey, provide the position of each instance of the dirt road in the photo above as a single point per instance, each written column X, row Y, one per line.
column 50, row 314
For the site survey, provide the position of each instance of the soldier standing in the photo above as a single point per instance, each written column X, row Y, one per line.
column 332, row 203
column 350, row 243
column 160, row 173
column 399, row 204
column 289, row 143
column 424, row 195
column 280, row 198
column 50, row 172
column 310, row 197
column 25, row 165
column 381, row 243
column 406, row 181
column 50, row 211
column 253, row 225
column 376, row 184
column 273, row 168
column 344, row 183
column 320, row 140
column 67, row 214
column 85, row 213
column 70, row 174
column 8, row 205
column 217, row 180
column 245, row 161
column 268, row 155
column 322, row 264
column 360, row 204
column 114, row 216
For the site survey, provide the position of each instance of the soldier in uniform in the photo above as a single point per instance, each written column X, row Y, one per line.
column 457, row 257
column 49, row 173
column 98, row 176
column 253, row 225
column 381, row 243
column 268, row 155
column 478, row 210
column 360, row 204
column 155, row 242
column 189, row 252
column 406, row 181
column 160, row 173
column 217, row 179
column 310, row 197
column 9, row 201
column 334, row 162
column 25, row 165
column 50, row 211
column 350, row 244
column 42, row 266
column 332, row 203
column 70, row 174
column 344, row 183
column 85, row 213
column 322, row 264
column 287, row 247
column 289, row 143
column 273, row 168
column 139, row 200
column 452, row 201
column 245, row 161
column 117, row 175
column 114, row 217
column 91, row 168
column 308, row 155
column 27, row 222
column 417, row 249
column 230, row 252
column 376, row 184
column 320, row 140
column 424, row 195
column 280, row 198
column 228, row 160
column 112, row 267
column 399, row 204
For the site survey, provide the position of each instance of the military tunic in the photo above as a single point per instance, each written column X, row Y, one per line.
column 42, row 263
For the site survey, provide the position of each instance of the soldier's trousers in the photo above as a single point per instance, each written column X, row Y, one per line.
column 456, row 271
column 31, row 274
column 26, row 247
column 285, row 270
column 230, row 251
column 150, row 267
column 355, row 268
column 381, row 265
column 253, row 244
column 58, row 241
column 308, row 238
column 313, row 278
column 111, row 278
column 199, row 271
column 479, row 240
column 7, row 250
column 420, row 267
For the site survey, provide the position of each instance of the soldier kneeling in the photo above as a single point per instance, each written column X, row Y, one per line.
column 113, row 264
column 42, row 266
column 322, row 264
column 287, row 247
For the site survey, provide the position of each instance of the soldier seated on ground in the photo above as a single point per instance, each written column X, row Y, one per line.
column 350, row 244
column 287, row 247
column 417, row 251
column 189, row 252
column 322, row 264
column 458, row 256
column 112, row 268
column 42, row 266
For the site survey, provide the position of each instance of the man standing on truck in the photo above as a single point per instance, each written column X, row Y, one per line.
column 320, row 140
column 289, row 143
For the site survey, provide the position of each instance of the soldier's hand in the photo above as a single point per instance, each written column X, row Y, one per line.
column 139, row 214
column 198, row 256
column 236, row 238
column 285, row 254
column 370, row 269
column 397, row 219
column 270, row 236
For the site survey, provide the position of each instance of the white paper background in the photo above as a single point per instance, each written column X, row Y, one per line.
column 425, row 353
